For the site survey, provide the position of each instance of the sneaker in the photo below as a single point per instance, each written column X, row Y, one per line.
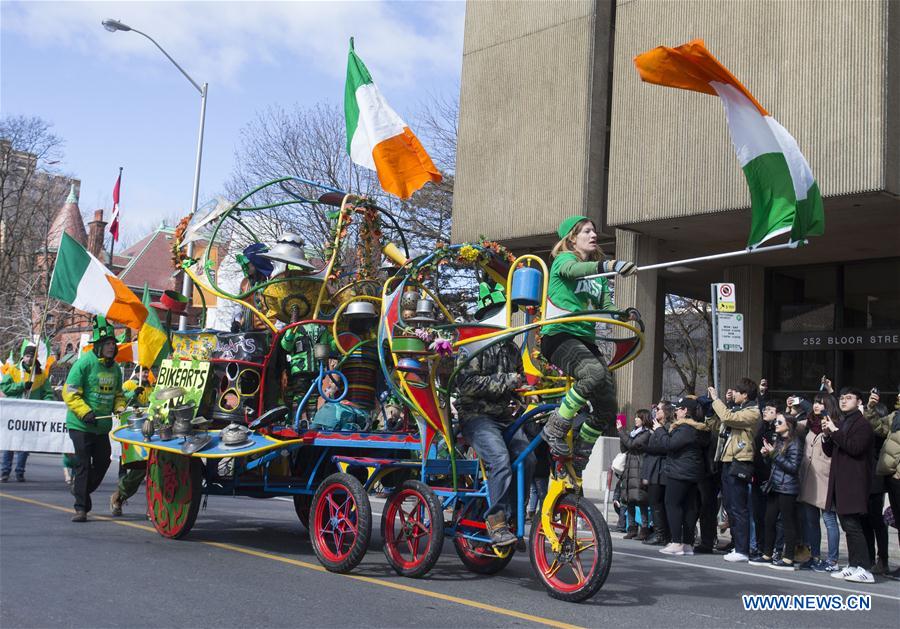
column 828, row 566
column 498, row 530
column 115, row 505
column 808, row 564
column 861, row 575
column 20, row 478
column 735, row 557
column 843, row 574
column 688, row 550
column 776, row 556
column 4, row 478
column 672, row 548
column 80, row 516
column 783, row 564
column 724, row 547
column 760, row 560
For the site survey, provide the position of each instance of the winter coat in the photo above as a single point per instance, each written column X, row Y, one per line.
column 13, row 383
column 92, row 386
column 785, row 471
column 685, row 443
column 653, row 468
column 486, row 384
column 635, row 490
column 889, row 456
column 740, row 426
column 815, row 469
column 851, row 474
column 762, row 465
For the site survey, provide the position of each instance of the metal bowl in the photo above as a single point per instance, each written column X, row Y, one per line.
column 136, row 421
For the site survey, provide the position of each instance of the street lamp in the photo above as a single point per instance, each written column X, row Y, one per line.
column 187, row 286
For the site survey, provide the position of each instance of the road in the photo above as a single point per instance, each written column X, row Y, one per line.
column 249, row 563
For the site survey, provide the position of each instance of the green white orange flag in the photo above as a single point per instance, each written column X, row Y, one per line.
column 81, row 280
column 153, row 342
column 377, row 137
column 784, row 195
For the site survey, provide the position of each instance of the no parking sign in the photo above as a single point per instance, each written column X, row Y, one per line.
column 725, row 298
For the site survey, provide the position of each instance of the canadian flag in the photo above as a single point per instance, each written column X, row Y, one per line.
column 114, row 219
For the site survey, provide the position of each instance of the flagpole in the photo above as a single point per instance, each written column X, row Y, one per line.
column 715, row 256
column 112, row 237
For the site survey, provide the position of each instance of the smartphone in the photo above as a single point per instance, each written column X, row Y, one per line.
column 620, row 420
column 875, row 390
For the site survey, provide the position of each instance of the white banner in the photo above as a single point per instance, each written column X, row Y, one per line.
column 36, row 426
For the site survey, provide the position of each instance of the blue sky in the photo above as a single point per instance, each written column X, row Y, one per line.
column 117, row 101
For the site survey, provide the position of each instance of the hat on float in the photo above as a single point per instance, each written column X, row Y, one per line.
column 568, row 224
column 488, row 298
column 172, row 301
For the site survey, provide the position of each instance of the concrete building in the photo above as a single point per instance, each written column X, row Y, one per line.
column 555, row 121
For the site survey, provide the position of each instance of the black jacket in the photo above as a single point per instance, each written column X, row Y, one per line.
column 850, row 449
column 762, row 465
column 653, row 468
column 785, row 476
column 632, row 486
column 686, row 445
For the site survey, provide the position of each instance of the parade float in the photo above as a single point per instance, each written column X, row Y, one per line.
column 335, row 383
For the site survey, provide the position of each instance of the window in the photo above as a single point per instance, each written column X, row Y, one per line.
column 802, row 299
column 799, row 371
column 872, row 295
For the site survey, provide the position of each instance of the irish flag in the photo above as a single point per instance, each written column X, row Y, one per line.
column 377, row 137
column 81, row 280
column 784, row 196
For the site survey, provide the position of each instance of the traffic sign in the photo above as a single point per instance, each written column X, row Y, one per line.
column 730, row 332
column 725, row 298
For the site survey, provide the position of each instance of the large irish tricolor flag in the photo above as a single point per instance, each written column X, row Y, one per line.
column 784, row 196
column 377, row 137
column 81, row 280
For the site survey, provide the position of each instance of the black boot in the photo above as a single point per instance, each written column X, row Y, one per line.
column 554, row 433
column 632, row 532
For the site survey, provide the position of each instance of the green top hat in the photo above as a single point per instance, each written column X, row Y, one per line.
column 488, row 297
column 102, row 330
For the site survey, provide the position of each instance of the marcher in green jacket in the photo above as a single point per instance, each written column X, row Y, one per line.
column 26, row 380
column 93, row 392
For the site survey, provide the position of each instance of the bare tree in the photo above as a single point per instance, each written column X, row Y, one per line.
column 31, row 191
column 687, row 348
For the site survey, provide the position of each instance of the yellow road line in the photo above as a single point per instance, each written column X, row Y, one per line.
column 549, row 622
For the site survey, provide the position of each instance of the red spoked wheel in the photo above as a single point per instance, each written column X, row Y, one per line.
column 412, row 527
column 478, row 556
column 578, row 570
column 174, row 489
column 340, row 523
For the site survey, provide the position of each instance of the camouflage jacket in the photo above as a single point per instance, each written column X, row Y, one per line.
column 486, row 384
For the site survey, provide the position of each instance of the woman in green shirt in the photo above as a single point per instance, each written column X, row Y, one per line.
column 572, row 346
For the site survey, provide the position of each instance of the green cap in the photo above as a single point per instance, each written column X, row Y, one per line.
column 568, row 224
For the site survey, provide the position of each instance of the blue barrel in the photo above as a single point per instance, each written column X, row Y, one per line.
column 526, row 287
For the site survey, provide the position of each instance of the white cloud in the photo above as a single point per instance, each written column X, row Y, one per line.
column 219, row 42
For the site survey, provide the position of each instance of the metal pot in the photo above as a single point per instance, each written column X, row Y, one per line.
column 180, row 417
column 234, row 434
column 361, row 310
column 321, row 351
column 136, row 421
column 165, row 432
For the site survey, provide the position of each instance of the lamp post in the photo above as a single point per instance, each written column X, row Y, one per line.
column 187, row 286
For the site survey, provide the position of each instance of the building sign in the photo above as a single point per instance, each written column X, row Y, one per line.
column 725, row 298
column 870, row 339
column 730, row 332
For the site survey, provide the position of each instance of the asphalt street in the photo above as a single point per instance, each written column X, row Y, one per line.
column 249, row 563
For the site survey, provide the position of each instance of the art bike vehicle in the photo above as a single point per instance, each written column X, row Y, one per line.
column 344, row 388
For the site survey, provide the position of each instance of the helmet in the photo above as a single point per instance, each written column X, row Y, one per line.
column 488, row 298
column 102, row 330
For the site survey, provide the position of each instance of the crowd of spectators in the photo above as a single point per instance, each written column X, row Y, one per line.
column 770, row 472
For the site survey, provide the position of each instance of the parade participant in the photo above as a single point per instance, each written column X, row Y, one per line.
column 735, row 451
column 256, row 269
column 572, row 346
column 486, row 393
column 137, row 393
column 24, row 380
column 93, row 391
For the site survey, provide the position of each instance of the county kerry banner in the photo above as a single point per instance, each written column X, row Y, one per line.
column 34, row 426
